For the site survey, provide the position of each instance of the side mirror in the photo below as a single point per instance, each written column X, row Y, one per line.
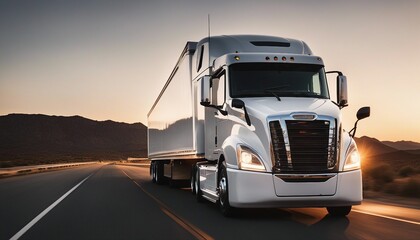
column 342, row 98
column 205, row 91
column 238, row 103
column 363, row 112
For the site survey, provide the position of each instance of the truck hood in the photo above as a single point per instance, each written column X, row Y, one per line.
column 262, row 108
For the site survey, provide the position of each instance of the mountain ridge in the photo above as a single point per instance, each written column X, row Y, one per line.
column 31, row 137
column 403, row 145
column 371, row 146
column 375, row 153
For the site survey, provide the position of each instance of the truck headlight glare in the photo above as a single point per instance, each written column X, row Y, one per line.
column 352, row 160
column 246, row 157
column 249, row 160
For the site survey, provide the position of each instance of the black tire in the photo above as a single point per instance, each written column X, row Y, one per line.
column 153, row 171
column 159, row 178
column 198, row 193
column 224, row 205
column 339, row 211
column 192, row 180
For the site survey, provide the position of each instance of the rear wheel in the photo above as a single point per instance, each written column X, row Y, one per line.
column 153, row 171
column 159, row 179
column 224, row 204
column 198, row 193
column 192, row 180
column 339, row 211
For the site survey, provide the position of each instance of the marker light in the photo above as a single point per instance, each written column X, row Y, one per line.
column 237, row 58
column 267, row 58
column 283, row 58
column 276, row 58
column 292, row 59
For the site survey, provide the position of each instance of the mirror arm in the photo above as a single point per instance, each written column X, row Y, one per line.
column 248, row 120
column 207, row 104
column 353, row 130
column 223, row 112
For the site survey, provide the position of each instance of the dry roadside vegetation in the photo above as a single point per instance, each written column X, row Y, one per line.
column 404, row 181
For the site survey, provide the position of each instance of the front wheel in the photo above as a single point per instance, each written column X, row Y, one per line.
column 224, row 204
column 339, row 211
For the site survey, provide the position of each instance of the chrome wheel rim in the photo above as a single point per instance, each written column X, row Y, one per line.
column 222, row 191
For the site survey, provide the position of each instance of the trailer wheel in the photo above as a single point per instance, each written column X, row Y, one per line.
column 159, row 172
column 198, row 193
column 223, row 202
column 152, row 172
column 339, row 211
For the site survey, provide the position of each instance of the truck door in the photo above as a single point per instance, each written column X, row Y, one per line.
column 212, row 122
column 212, row 142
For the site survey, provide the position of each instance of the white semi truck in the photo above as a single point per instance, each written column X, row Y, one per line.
column 249, row 121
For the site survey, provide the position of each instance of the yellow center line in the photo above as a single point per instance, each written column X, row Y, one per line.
column 195, row 231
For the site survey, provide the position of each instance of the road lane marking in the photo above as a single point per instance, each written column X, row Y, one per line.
column 195, row 231
column 43, row 213
column 388, row 217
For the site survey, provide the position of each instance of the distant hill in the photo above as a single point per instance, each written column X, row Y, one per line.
column 403, row 145
column 372, row 146
column 376, row 153
column 40, row 138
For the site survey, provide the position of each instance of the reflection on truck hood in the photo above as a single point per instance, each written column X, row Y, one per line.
column 264, row 107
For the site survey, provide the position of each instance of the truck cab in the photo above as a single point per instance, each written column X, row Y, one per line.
column 273, row 136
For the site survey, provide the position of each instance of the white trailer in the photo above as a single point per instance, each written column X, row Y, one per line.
column 249, row 121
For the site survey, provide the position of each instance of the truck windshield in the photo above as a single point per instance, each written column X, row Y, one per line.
column 277, row 79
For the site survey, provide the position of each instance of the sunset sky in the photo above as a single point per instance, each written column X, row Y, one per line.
column 105, row 59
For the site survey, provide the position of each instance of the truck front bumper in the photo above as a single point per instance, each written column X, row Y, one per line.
column 249, row 189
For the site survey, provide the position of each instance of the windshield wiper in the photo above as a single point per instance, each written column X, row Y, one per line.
column 275, row 90
column 305, row 94
column 274, row 93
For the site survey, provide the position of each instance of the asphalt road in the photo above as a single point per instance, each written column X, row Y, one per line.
column 120, row 202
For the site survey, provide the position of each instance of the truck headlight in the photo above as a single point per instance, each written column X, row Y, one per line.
column 352, row 159
column 249, row 160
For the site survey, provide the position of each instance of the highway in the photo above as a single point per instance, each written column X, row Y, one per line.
column 102, row 201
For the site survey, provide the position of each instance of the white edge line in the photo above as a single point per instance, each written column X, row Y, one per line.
column 43, row 213
column 383, row 216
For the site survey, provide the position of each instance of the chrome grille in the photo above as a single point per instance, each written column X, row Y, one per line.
column 305, row 146
column 278, row 146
